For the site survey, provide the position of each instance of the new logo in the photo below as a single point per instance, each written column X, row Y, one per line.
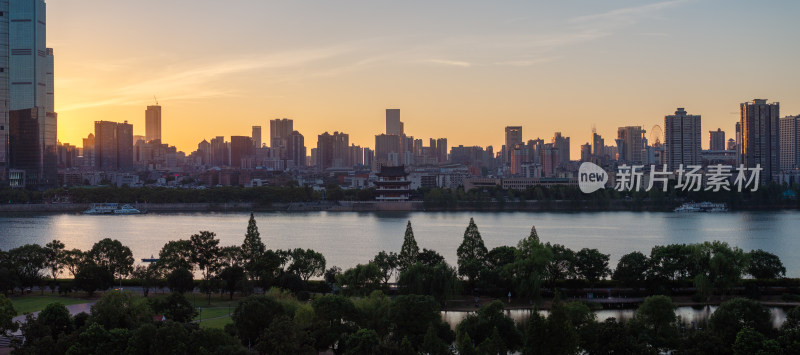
column 591, row 177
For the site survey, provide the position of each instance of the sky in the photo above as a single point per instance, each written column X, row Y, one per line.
column 457, row 69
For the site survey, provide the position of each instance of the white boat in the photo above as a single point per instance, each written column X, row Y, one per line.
column 112, row 209
column 702, row 207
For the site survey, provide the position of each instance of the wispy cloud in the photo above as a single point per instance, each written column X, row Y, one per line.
column 454, row 63
column 197, row 82
column 627, row 14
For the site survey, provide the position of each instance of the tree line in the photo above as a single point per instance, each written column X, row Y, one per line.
column 360, row 317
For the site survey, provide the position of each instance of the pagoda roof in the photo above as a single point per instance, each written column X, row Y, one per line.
column 391, row 171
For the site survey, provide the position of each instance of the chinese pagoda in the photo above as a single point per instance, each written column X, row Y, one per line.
column 392, row 184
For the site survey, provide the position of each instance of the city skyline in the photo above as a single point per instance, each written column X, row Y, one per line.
column 544, row 67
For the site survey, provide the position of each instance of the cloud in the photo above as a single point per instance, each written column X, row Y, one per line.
column 627, row 14
column 454, row 63
column 196, row 81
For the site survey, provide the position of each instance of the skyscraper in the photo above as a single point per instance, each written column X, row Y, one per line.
column 760, row 137
column 790, row 142
column 297, row 149
column 562, row 144
column 598, row 145
column 279, row 132
column 386, row 147
column 630, row 144
column 113, row 146
column 716, row 139
column 5, row 95
column 513, row 136
column 682, row 139
column 393, row 124
column 256, row 136
column 152, row 123
column 241, row 148
column 441, row 150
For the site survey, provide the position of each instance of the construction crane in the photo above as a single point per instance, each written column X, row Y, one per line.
column 155, row 98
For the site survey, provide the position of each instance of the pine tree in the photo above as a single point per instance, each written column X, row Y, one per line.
column 465, row 346
column 253, row 247
column 493, row 344
column 534, row 236
column 471, row 253
column 409, row 251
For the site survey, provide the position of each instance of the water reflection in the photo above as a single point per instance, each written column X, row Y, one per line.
column 688, row 315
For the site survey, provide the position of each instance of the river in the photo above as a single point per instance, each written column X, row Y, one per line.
column 349, row 238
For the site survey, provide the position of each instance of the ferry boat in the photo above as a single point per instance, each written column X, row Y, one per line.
column 702, row 207
column 112, row 209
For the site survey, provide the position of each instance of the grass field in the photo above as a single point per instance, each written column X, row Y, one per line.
column 218, row 323
column 33, row 303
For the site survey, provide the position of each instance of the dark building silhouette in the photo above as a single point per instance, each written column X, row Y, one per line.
column 113, row 146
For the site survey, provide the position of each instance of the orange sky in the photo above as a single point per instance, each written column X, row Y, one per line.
column 458, row 70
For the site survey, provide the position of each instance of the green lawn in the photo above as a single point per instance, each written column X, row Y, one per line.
column 218, row 323
column 33, row 303
column 206, row 313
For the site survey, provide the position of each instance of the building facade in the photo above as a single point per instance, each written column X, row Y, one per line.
column 682, row 139
column 790, row 142
column 760, row 137
column 152, row 123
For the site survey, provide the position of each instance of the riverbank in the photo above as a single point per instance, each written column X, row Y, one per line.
column 373, row 206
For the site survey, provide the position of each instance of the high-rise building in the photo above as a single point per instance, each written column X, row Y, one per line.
column 152, row 123
column 386, row 147
column 790, row 142
column 562, row 144
column 393, row 124
column 716, row 139
column 550, row 159
column 29, row 62
column 241, row 149
column 24, row 152
column 341, row 144
column 324, row 151
column 88, row 151
column 5, row 95
column 256, row 136
column 113, row 146
column 441, row 150
column 760, row 137
column 513, row 136
column 598, row 145
column 279, row 132
column 297, row 149
column 220, row 155
column 682, row 139
column 630, row 144
column 586, row 152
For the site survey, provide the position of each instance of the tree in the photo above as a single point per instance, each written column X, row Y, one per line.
column 175, row 307
column 92, row 277
column 561, row 265
column 411, row 316
column 7, row 314
column 232, row 277
column 471, row 253
column 439, row 281
column 631, row 269
column 387, row 263
column 254, row 314
column 493, row 344
column 148, row 275
column 362, row 279
column 307, row 263
column 719, row 264
column 737, row 313
column 121, row 310
column 283, row 337
column 530, row 265
column 113, row 256
column 252, row 247
column 432, row 344
column 72, row 259
column 657, row 316
column 464, row 345
column 28, row 262
column 429, row 257
column 54, row 257
column 334, row 321
column 764, row 265
column 364, row 341
column 479, row 326
column 205, row 255
column 231, row 256
column 591, row 264
column 180, row 280
column 409, row 251
column 670, row 262
column 176, row 254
